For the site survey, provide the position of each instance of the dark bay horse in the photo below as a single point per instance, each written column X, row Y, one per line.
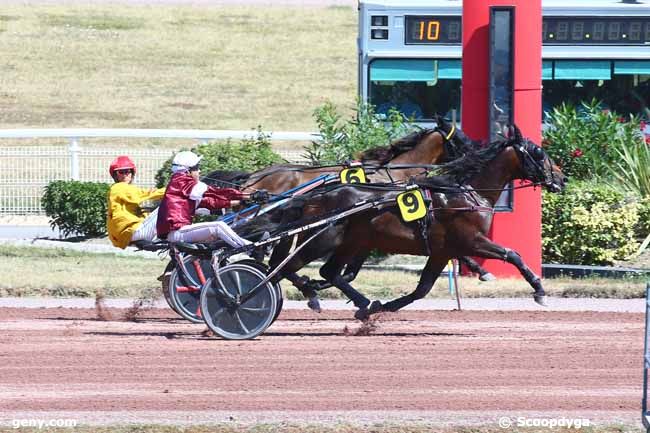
column 404, row 158
column 461, row 219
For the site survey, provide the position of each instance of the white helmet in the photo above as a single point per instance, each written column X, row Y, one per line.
column 185, row 160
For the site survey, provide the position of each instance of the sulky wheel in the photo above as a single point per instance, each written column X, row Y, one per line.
column 185, row 290
column 232, row 309
column 278, row 290
column 165, row 285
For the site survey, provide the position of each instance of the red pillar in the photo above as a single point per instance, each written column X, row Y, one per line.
column 519, row 230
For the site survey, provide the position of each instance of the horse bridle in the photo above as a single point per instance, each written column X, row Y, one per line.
column 451, row 149
column 535, row 164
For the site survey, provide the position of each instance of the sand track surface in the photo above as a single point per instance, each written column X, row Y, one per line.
column 421, row 366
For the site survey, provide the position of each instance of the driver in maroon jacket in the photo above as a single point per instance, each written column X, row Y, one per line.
column 185, row 194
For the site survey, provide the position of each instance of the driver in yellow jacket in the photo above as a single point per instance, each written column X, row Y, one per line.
column 126, row 222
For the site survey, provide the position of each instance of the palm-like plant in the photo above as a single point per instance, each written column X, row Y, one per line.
column 631, row 169
column 632, row 172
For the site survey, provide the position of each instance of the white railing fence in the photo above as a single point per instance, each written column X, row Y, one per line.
column 26, row 170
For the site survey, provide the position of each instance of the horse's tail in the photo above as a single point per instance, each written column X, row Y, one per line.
column 284, row 217
column 226, row 178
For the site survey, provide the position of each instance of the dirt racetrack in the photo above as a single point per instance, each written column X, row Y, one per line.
column 417, row 366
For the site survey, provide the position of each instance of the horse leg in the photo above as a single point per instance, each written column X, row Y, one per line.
column 351, row 271
column 331, row 271
column 303, row 284
column 429, row 275
column 471, row 264
column 353, row 268
column 489, row 250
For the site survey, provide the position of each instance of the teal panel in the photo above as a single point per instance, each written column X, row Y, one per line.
column 547, row 70
column 583, row 70
column 402, row 70
column 631, row 67
column 450, row 69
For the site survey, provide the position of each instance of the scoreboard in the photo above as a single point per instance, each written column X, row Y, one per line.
column 596, row 30
column 432, row 29
column 410, row 55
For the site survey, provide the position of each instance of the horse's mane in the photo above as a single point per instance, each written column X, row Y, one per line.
column 439, row 183
column 383, row 154
column 472, row 163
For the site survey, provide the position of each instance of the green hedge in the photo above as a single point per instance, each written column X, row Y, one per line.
column 77, row 207
column 589, row 224
column 247, row 155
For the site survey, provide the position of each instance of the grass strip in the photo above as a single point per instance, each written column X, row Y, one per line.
column 32, row 271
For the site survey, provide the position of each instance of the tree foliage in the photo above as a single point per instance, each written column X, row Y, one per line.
column 249, row 154
column 343, row 139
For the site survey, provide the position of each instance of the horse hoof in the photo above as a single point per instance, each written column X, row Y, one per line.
column 375, row 307
column 302, row 281
column 314, row 304
column 362, row 314
column 487, row 277
column 541, row 300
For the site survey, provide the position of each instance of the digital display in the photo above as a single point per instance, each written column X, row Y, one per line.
column 433, row 30
column 555, row 30
column 596, row 30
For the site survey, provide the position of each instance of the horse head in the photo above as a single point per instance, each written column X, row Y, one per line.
column 456, row 142
column 536, row 165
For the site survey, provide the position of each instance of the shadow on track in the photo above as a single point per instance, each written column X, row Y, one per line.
column 168, row 335
column 157, row 320
column 188, row 335
column 382, row 334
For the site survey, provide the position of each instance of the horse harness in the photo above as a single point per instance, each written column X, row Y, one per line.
column 425, row 223
column 531, row 160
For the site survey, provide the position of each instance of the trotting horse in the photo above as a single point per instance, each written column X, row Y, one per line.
column 461, row 205
column 406, row 157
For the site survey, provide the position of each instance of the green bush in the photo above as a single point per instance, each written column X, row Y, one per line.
column 250, row 154
column 589, row 224
column 343, row 139
column 586, row 142
column 77, row 207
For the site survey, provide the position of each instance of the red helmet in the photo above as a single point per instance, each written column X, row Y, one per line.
column 122, row 162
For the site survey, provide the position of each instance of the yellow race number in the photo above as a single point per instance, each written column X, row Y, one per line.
column 411, row 205
column 353, row 175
